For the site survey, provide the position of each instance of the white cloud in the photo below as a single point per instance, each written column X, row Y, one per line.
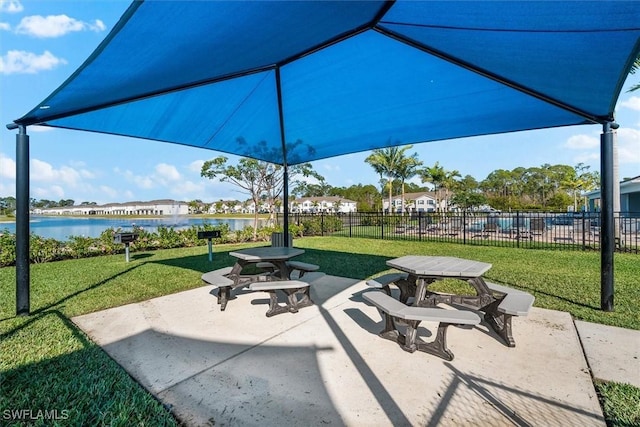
column 196, row 166
column 54, row 192
column 185, row 190
column 587, row 158
column 4, row 26
column 632, row 103
column 167, row 172
column 628, row 145
column 73, row 177
column 55, row 26
column 7, row 190
column 111, row 192
column 10, row 6
column 21, row 62
column 7, row 167
column 330, row 167
column 144, row 182
column 582, row 142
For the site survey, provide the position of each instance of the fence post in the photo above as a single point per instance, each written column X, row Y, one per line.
column 464, row 227
column 584, row 235
column 350, row 223
column 382, row 227
column 518, row 228
column 322, row 224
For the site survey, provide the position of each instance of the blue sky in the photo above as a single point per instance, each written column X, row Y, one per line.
column 43, row 42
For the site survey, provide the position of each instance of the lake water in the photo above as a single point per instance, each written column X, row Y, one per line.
column 60, row 228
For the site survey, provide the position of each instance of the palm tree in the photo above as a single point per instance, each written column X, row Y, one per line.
column 436, row 175
column 448, row 183
column 635, row 67
column 386, row 162
column 407, row 169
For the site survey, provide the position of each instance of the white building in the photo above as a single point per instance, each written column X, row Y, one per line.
column 154, row 207
column 413, row 202
column 326, row 204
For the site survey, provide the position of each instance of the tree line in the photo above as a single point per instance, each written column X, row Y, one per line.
column 547, row 187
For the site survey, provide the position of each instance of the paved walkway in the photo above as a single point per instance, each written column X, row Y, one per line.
column 613, row 354
column 326, row 365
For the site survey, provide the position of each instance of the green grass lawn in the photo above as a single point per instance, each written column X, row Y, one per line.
column 49, row 364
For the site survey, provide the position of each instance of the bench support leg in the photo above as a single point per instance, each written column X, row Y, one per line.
column 438, row 347
column 292, row 305
column 501, row 323
column 390, row 332
column 410, row 342
column 224, row 294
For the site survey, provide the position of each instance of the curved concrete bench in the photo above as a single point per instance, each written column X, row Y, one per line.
column 291, row 288
column 302, row 267
column 396, row 310
column 511, row 302
column 383, row 282
column 299, row 266
column 223, row 284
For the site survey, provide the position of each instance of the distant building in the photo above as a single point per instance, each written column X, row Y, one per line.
column 326, row 204
column 424, row 201
column 154, row 207
column 629, row 197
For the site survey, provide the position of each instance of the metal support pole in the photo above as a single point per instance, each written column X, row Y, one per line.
column 126, row 252
column 607, row 236
column 210, row 250
column 285, row 191
column 22, row 223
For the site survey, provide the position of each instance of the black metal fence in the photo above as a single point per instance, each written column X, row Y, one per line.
column 572, row 231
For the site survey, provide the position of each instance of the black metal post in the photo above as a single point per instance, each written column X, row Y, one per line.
column 607, row 236
column 517, row 228
column 464, row 227
column 285, row 191
column 22, row 223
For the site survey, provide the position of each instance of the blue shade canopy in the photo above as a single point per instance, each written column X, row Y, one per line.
column 291, row 82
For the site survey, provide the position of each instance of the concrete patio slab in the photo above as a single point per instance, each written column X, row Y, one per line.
column 326, row 365
column 613, row 353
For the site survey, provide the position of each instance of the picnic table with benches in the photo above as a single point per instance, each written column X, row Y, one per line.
column 499, row 303
column 275, row 277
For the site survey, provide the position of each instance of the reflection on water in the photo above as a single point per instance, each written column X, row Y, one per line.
column 60, row 228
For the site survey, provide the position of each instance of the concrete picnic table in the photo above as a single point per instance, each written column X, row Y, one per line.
column 276, row 255
column 423, row 270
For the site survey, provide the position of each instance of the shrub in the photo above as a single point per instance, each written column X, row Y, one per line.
column 46, row 250
column 7, row 248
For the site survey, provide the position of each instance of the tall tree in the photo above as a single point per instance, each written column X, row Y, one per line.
column 406, row 169
column 440, row 179
column 249, row 174
column 386, row 161
column 580, row 181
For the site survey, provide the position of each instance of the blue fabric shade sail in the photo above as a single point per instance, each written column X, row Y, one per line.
column 291, row 82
